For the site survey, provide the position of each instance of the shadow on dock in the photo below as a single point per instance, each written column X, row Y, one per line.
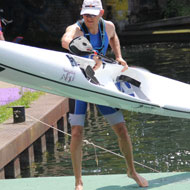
column 158, row 183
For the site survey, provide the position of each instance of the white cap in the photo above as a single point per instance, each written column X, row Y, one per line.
column 92, row 7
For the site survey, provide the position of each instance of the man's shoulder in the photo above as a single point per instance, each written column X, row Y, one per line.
column 73, row 27
column 110, row 27
column 109, row 23
column 73, row 30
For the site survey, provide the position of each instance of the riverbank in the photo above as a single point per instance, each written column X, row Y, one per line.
column 9, row 93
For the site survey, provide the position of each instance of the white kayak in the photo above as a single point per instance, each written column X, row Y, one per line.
column 71, row 76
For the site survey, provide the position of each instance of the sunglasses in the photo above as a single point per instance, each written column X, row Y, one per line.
column 89, row 15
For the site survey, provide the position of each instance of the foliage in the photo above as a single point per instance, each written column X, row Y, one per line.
column 25, row 100
column 176, row 8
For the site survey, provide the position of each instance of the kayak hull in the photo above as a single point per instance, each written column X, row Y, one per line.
column 64, row 74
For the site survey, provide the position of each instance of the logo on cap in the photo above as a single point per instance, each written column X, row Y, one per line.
column 89, row 6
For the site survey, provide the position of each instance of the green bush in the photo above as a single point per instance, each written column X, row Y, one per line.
column 177, row 8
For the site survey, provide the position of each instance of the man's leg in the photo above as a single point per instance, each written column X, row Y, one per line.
column 76, row 155
column 126, row 148
column 76, row 118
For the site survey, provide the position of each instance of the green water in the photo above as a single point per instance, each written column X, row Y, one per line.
column 161, row 143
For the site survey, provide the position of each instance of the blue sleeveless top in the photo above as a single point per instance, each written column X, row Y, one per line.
column 96, row 42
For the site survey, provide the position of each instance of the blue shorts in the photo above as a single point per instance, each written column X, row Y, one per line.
column 78, row 112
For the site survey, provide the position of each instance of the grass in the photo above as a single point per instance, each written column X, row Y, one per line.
column 6, row 112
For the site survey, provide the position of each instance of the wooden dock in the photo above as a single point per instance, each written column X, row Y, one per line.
column 20, row 141
column 157, row 181
column 175, row 29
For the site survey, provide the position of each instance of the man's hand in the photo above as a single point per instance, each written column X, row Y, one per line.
column 98, row 61
column 122, row 62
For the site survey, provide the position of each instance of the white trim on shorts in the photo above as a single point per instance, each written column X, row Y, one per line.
column 113, row 119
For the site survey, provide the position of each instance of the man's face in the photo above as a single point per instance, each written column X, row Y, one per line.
column 92, row 20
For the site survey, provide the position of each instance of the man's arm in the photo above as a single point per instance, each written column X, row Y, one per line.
column 1, row 32
column 71, row 32
column 2, row 37
column 115, row 45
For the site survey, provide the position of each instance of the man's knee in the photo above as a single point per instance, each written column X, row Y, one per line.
column 77, row 132
column 120, row 130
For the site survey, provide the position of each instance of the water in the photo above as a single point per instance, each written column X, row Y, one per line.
column 159, row 142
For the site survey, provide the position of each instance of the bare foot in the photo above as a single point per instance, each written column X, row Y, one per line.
column 142, row 182
column 79, row 187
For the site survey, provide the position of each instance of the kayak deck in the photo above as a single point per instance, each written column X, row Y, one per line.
column 161, row 181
